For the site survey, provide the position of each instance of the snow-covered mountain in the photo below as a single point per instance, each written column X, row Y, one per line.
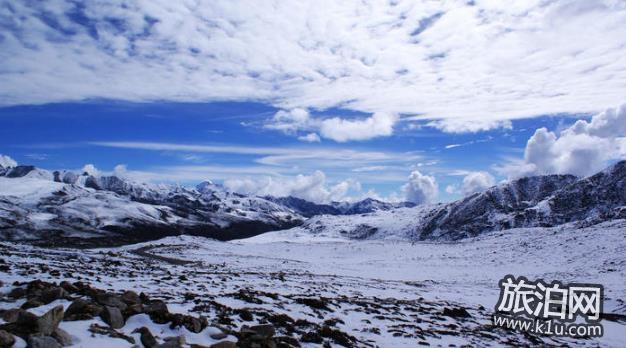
column 540, row 201
column 310, row 209
column 38, row 204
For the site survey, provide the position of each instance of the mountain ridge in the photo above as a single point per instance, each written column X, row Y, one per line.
column 64, row 204
column 539, row 201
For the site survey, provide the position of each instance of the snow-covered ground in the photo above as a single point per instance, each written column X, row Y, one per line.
column 385, row 293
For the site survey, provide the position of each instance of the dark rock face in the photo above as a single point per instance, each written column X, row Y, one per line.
column 370, row 205
column 309, row 209
column 147, row 339
column 19, row 171
column 139, row 212
column 541, row 201
column 305, row 208
column 598, row 197
column 81, row 309
column 113, row 317
column 43, row 342
column 6, row 339
column 25, row 324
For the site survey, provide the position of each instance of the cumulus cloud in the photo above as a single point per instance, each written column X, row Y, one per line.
column 341, row 130
column 334, row 128
column 314, row 187
column 420, row 188
column 91, row 170
column 477, row 182
column 6, row 161
column 440, row 59
column 581, row 149
column 120, row 170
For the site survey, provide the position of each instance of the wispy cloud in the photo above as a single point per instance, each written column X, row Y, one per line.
column 334, row 161
column 271, row 155
column 470, row 65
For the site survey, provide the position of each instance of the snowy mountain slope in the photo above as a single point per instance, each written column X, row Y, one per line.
column 37, row 204
column 310, row 209
column 396, row 224
column 540, row 201
column 533, row 202
column 383, row 293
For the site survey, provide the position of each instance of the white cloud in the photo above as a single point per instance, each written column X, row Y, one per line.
column 420, row 188
column 6, row 161
column 370, row 169
column 289, row 121
column 280, row 156
column 91, row 170
column 581, row 149
column 463, row 126
column 120, row 170
column 334, row 128
column 341, row 130
column 451, row 189
column 474, row 64
column 477, row 182
column 310, row 138
column 312, row 187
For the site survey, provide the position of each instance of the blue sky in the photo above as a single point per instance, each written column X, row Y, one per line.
column 402, row 100
column 71, row 135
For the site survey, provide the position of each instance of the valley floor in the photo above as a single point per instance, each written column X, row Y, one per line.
column 322, row 289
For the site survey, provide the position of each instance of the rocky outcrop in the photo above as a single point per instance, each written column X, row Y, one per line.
column 70, row 208
column 542, row 201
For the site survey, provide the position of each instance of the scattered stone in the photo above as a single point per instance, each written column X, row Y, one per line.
column 32, row 303
column 146, row 337
column 17, row 293
column 312, row 337
column 314, row 303
column 43, row 342
column 223, row 344
column 113, row 317
column 287, row 342
column 131, row 298
column 133, row 310
column 257, row 336
column 245, row 315
column 264, row 330
column 192, row 324
column 218, row 335
column 282, row 320
column 158, row 312
column 62, row 336
column 105, row 330
column 47, row 323
column 81, row 309
column 180, row 340
column 11, row 315
column 111, row 300
column 173, row 342
column 337, row 336
column 458, row 312
column 53, row 294
column 6, row 339
column 69, row 287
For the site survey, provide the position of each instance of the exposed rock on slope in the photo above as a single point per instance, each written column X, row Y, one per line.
column 37, row 204
column 309, row 209
column 540, row 201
